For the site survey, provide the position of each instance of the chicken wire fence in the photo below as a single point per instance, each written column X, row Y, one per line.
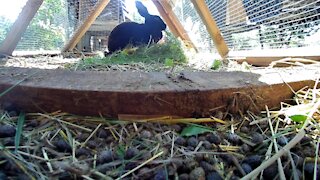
column 56, row 21
column 244, row 24
column 255, row 24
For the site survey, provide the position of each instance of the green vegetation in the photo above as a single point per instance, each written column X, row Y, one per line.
column 46, row 30
column 4, row 27
column 217, row 64
column 18, row 134
column 195, row 129
column 167, row 54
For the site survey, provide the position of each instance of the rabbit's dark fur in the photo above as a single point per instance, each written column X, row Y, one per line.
column 136, row 34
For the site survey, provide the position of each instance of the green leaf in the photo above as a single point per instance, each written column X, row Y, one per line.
column 216, row 65
column 13, row 86
column 298, row 118
column 121, row 151
column 69, row 135
column 169, row 62
column 20, row 124
column 194, row 130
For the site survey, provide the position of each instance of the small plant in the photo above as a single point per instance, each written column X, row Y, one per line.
column 216, row 65
column 169, row 62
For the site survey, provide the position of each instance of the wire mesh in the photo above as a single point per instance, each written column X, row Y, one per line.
column 111, row 16
column 8, row 14
column 267, row 24
column 57, row 20
column 193, row 25
column 245, row 24
column 4, row 27
column 47, row 29
column 257, row 24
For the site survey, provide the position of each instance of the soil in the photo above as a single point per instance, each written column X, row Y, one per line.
column 38, row 61
column 63, row 146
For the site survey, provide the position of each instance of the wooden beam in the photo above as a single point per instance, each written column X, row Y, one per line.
column 19, row 26
column 82, row 29
column 278, row 61
column 211, row 25
column 173, row 22
column 136, row 93
column 166, row 18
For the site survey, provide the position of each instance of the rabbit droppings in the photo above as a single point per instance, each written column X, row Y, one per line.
column 136, row 34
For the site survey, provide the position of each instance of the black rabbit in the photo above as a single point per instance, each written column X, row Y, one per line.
column 136, row 34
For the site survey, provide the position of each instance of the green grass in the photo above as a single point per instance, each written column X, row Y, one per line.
column 170, row 51
column 18, row 135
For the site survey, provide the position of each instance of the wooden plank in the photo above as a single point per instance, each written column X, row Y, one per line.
column 211, row 25
column 265, row 57
column 286, row 61
column 82, row 29
column 136, row 93
column 173, row 22
column 19, row 26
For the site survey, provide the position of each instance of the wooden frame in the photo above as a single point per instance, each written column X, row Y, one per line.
column 83, row 28
column 165, row 9
column 173, row 22
column 266, row 57
column 279, row 61
column 211, row 25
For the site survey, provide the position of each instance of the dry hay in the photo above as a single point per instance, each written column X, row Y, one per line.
column 276, row 144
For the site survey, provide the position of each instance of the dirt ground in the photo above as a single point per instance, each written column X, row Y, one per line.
column 272, row 145
column 42, row 62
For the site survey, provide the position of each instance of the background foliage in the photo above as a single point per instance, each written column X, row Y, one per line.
column 46, row 30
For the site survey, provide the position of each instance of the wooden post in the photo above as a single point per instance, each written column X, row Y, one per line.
column 19, row 27
column 166, row 18
column 211, row 26
column 82, row 29
column 172, row 21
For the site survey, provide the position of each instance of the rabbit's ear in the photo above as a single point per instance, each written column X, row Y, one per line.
column 143, row 11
